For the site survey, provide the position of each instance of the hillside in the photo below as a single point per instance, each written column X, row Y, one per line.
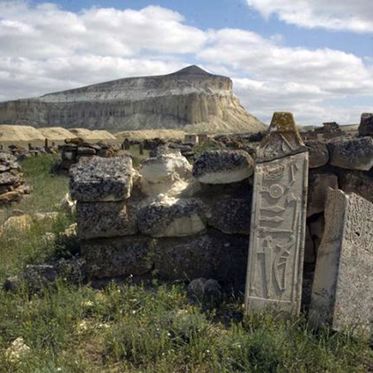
column 190, row 99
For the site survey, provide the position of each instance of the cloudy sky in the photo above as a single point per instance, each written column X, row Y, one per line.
column 311, row 57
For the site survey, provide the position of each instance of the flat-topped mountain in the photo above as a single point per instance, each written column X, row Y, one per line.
column 190, row 99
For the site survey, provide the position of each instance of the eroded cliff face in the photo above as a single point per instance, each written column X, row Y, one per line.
column 190, row 99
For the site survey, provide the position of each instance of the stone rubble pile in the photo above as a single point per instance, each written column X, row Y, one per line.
column 179, row 221
column 12, row 185
column 75, row 149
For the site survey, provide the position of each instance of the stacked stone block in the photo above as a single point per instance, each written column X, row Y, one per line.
column 12, row 186
column 76, row 148
column 128, row 228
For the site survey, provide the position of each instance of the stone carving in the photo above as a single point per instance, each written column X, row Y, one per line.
column 274, row 276
column 342, row 290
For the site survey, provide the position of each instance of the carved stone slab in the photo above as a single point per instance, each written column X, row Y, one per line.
column 342, row 293
column 277, row 235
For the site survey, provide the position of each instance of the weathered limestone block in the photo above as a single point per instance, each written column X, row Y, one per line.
column 166, row 174
column 105, row 219
column 318, row 186
column 318, row 153
column 101, row 179
column 223, row 166
column 116, row 257
column 230, row 215
column 10, row 178
column 342, row 290
column 366, row 124
column 277, row 237
column 172, row 217
column 211, row 255
column 353, row 154
column 357, row 182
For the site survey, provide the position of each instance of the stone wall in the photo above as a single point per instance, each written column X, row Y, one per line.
column 12, row 186
column 179, row 221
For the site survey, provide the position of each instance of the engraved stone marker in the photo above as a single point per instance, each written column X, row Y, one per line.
column 277, row 234
column 342, row 292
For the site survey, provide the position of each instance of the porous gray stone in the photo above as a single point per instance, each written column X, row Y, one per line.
column 101, row 179
column 117, row 257
column 318, row 186
column 318, row 153
column 366, row 124
column 342, row 293
column 37, row 276
column 172, row 217
column 353, row 154
column 357, row 182
column 105, row 219
column 223, row 166
column 230, row 215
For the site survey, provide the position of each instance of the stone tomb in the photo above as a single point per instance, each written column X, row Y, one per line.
column 342, row 293
column 275, row 264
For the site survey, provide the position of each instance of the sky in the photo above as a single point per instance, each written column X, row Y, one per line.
column 311, row 57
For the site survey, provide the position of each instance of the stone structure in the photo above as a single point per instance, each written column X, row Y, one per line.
column 342, row 292
column 190, row 99
column 179, row 221
column 160, row 220
column 77, row 148
column 12, row 186
column 275, row 265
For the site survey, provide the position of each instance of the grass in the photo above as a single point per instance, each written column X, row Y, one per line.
column 131, row 327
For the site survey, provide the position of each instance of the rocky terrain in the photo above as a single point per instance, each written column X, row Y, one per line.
column 190, row 99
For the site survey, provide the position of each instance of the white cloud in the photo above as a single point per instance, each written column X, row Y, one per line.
column 352, row 15
column 45, row 48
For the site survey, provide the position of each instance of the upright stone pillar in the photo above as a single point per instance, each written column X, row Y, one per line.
column 342, row 292
column 278, row 220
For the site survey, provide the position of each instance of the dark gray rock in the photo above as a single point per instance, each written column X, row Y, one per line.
column 353, row 154
column 116, row 257
column 318, row 153
column 223, row 166
column 366, row 124
column 211, row 255
column 230, row 215
column 205, row 292
column 101, row 179
column 172, row 218
column 12, row 283
column 318, row 185
column 357, row 182
column 105, row 219
column 37, row 276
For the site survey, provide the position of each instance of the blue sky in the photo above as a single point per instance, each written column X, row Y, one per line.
column 312, row 57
